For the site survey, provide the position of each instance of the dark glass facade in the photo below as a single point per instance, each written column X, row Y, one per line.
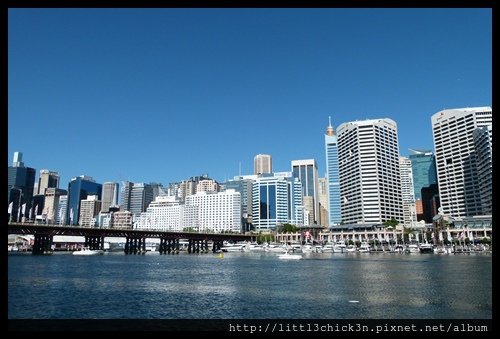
column 423, row 166
column 21, row 182
column 79, row 189
column 268, row 202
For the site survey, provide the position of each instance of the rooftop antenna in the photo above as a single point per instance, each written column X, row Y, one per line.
column 239, row 173
column 329, row 121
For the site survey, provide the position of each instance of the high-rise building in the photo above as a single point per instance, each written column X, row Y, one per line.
column 89, row 209
column 165, row 214
column 276, row 200
column 423, row 166
column 47, row 179
column 407, row 192
column 109, row 195
column 207, row 185
column 370, row 182
column 456, row 159
column 214, row 212
column 244, row 187
column 52, row 202
column 262, row 164
column 430, row 202
column 60, row 217
column 323, row 201
column 136, row 197
column 21, row 182
column 188, row 187
column 332, row 175
column 483, row 146
column 79, row 188
column 307, row 172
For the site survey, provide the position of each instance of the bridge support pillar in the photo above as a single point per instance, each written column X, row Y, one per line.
column 216, row 246
column 162, row 244
column 94, row 242
column 42, row 244
column 135, row 245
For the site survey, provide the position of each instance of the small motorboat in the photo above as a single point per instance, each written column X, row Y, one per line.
column 88, row 251
column 290, row 256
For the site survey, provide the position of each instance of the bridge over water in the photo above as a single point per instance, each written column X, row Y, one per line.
column 135, row 239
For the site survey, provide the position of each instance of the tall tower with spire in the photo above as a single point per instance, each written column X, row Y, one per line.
column 332, row 174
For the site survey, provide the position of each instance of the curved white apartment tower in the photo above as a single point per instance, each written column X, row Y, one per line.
column 456, row 159
column 370, row 183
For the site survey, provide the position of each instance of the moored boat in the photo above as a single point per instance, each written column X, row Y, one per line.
column 88, row 251
column 426, row 248
column 288, row 256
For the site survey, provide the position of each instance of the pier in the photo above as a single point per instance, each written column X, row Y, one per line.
column 135, row 239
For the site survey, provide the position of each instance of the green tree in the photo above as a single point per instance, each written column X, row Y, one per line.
column 393, row 222
column 289, row 228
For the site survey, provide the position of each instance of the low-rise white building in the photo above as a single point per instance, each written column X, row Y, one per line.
column 213, row 212
column 165, row 214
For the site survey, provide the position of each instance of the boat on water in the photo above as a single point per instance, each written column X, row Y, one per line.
column 351, row 248
column 238, row 247
column 412, row 248
column 426, row 248
column 365, row 247
column 88, row 251
column 288, row 256
column 339, row 247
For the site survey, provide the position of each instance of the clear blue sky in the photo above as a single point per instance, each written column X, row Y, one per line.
column 160, row 95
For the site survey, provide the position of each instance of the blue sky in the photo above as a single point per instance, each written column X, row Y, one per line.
column 160, row 95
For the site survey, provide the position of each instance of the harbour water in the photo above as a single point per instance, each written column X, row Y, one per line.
column 250, row 285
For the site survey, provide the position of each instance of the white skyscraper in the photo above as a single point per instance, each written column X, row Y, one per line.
column 407, row 192
column 456, row 159
column 370, row 182
column 484, row 150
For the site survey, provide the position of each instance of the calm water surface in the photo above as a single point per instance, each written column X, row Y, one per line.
column 250, row 286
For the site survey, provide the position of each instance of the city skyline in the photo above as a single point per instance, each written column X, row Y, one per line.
column 145, row 96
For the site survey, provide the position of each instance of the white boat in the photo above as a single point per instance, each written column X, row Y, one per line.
column 238, row 247
column 275, row 248
column 288, row 256
column 88, row 251
column 351, row 248
column 340, row 247
column 426, row 248
column 255, row 247
column 307, row 248
column 364, row 248
column 328, row 248
column 412, row 248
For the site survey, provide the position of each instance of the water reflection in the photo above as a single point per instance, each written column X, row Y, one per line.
column 251, row 285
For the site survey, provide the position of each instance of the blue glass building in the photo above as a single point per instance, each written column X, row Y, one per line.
column 332, row 174
column 80, row 188
column 423, row 166
column 276, row 200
